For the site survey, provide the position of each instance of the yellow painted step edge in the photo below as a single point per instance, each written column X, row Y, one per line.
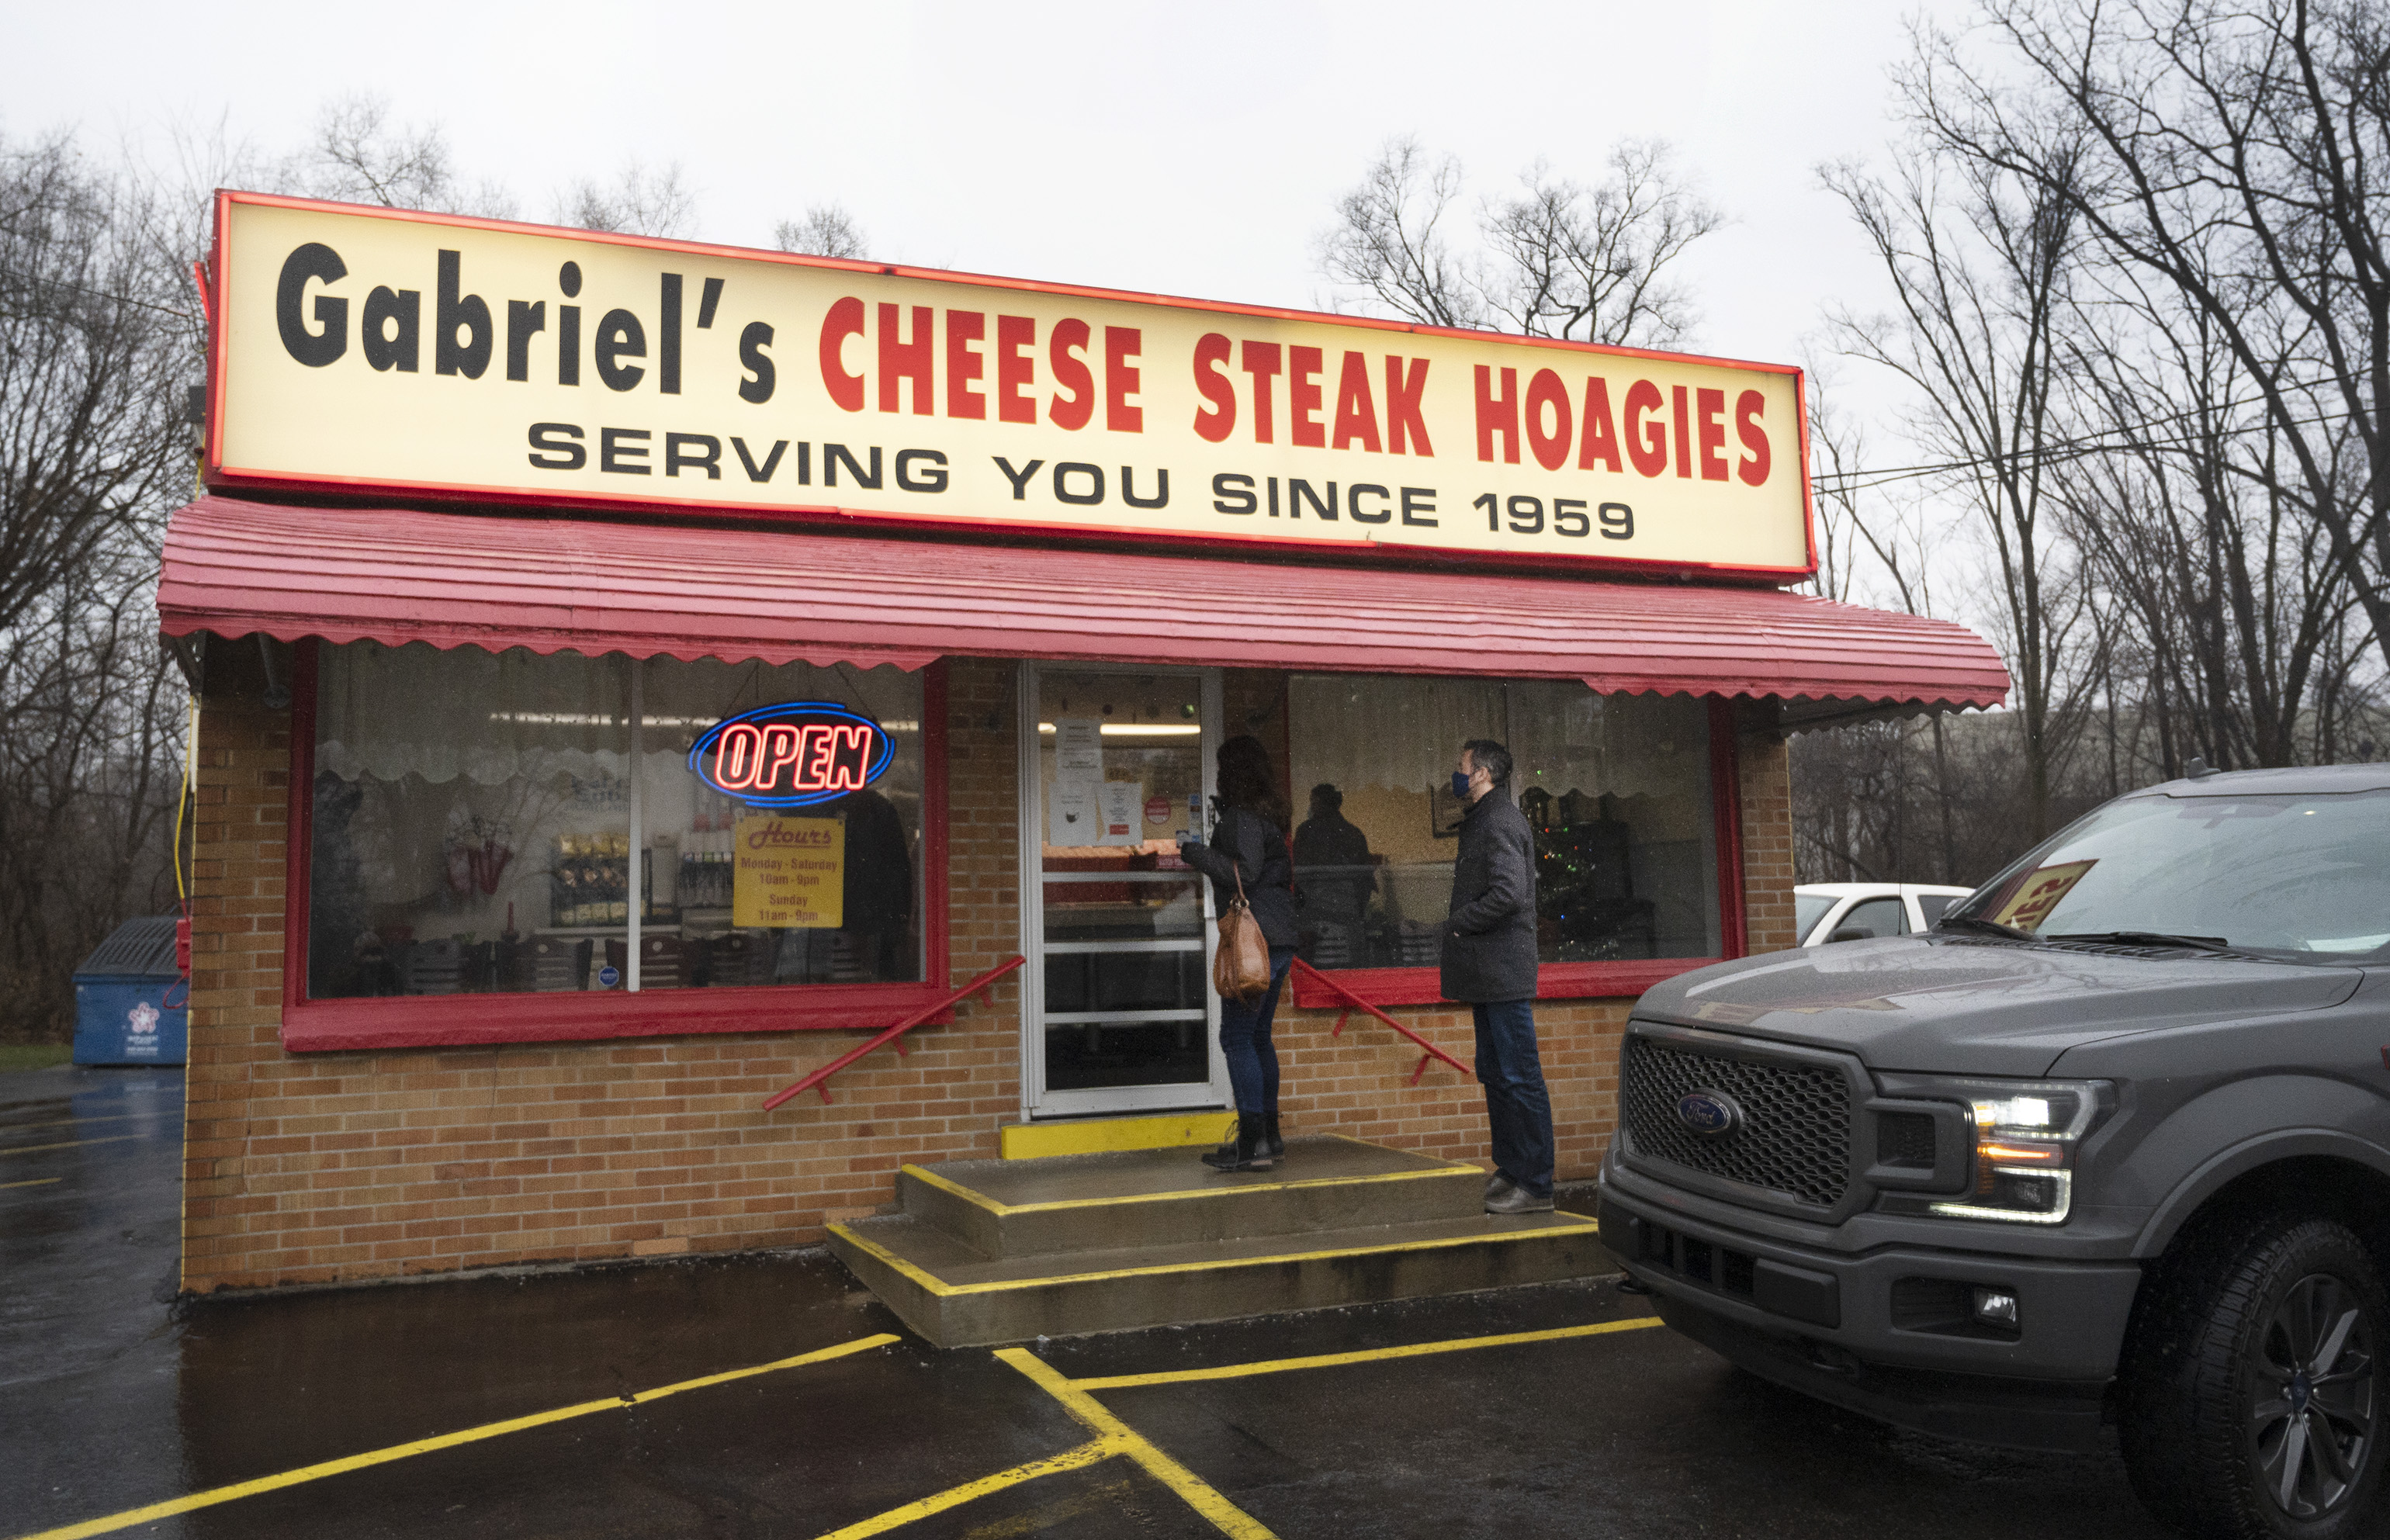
column 936, row 1285
column 980, row 1199
column 1030, row 1141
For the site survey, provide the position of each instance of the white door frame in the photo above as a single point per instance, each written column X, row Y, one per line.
column 1036, row 1101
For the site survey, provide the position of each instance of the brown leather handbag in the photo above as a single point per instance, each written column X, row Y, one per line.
column 1241, row 968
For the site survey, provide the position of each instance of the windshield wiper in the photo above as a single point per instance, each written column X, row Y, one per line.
column 2150, row 938
column 1988, row 927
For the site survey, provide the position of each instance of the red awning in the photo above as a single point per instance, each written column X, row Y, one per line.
column 400, row 575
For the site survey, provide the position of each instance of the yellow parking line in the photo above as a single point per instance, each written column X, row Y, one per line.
column 446, row 1440
column 1091, row 1452
column 1365, row 1355
column 69, row 1144
column 1115, row 1437
column 1199, row 1494
column 1045, row 1516
column 36, row 1181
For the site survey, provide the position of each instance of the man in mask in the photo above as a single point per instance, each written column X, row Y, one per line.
column 1489, row 962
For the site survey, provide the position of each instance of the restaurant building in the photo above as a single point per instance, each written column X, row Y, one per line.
column 634, row 674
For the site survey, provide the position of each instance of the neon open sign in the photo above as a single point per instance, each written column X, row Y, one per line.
column 794, row 755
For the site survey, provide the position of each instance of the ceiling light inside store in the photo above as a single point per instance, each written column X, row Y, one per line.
column 1140, row 730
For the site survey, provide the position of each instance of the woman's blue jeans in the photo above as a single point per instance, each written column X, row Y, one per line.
column 1245, row 1039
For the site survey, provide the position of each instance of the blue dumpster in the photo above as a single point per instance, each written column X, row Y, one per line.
column 122, row 992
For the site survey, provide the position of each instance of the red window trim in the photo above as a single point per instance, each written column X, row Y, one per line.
column 1595, row 980
column 310, row 1026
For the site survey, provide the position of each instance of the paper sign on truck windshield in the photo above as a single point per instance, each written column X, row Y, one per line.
column 427, row 354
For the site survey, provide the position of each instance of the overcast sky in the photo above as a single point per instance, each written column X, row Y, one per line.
column 1187, row 151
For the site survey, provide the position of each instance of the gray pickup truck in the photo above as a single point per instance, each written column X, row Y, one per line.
column 2110, row 1146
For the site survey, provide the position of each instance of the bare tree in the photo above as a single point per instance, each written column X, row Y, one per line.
column 2230, row 599
column 1979, row 276
column 88, row 407
column 2236, row 152
column 828, row 230
column 638, row 201
column 1860, row 528
column 94, row 340
column 1561, row 259
column 2145, row 306
column 1568, row 259
column 360, row 155
column 1388, row 240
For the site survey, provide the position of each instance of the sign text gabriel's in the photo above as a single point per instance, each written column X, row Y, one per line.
column 365, row 348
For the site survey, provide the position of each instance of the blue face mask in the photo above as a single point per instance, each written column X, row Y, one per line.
column 1461, row 783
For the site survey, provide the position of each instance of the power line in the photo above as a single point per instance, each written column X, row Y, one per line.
column 36, row 278
column 2061, row 451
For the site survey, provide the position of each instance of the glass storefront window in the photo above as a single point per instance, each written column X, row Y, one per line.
column 1616, row 788
column 475, row 815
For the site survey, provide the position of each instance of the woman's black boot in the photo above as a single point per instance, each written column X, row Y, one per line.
column 1271, row 1145
column 1244, row 1154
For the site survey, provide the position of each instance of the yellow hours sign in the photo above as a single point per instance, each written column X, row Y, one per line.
column 789, row 873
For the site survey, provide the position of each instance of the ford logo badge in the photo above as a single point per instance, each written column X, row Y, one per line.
column 1710, row 1115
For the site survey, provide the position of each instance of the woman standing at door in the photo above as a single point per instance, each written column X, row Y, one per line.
column 1249, row 845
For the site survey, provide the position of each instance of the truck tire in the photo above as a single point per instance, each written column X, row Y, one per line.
column 2249, row 1403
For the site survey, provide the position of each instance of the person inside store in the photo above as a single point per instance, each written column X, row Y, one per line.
column 1334, row 876
column 879, row 883
column 1248, row 848
column 875, row 904
column 1489, row 965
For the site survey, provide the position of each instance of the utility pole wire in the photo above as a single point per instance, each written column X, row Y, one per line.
column 2065, row 450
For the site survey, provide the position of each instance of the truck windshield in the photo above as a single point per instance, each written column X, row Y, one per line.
column 2303, row 877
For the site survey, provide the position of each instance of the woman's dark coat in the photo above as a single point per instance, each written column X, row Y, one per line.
column 1245, row 842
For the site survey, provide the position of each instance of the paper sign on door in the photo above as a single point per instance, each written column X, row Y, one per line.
column 1122, row 805
column 1073, row 817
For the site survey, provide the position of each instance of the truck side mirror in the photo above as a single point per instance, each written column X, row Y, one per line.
column 1851, row 932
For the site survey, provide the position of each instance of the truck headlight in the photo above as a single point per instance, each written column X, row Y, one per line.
column 2028, row 1134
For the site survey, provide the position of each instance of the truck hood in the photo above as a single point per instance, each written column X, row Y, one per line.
column 1957, row 1006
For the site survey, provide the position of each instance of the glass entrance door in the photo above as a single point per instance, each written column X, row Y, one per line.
column 1117, row 1009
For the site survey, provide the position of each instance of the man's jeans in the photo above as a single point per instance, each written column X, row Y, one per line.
column 1516, row 1103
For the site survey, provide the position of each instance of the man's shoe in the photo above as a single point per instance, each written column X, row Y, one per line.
column 1496, row 1185
column 1518, row 1201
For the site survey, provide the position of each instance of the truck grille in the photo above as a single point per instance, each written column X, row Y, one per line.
column 1795, row 1136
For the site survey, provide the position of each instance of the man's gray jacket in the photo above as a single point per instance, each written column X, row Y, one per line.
column 1489, row 939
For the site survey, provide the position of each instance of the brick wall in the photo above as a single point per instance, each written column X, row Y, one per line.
column 1765, row 767
column 326, row 1166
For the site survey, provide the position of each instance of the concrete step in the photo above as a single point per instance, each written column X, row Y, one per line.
column 1168, row 1196
column 957, row 1296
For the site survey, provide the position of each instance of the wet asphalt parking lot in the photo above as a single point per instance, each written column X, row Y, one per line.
column 528, row 1406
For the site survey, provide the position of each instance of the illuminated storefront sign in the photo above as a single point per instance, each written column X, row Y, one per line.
column 465, row 357
column 800, row 754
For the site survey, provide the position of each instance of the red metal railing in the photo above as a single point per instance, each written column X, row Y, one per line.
column 819, row 1079
column 1354, row 1002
